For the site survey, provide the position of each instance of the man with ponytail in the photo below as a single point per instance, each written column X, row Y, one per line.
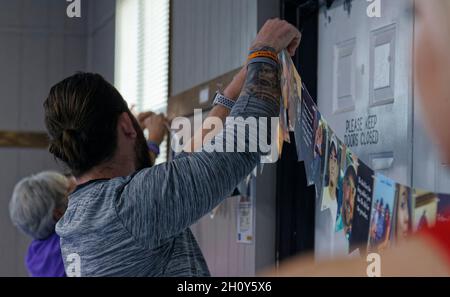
column 126, row 218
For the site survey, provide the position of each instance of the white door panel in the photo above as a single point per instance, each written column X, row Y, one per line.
column 365, row 87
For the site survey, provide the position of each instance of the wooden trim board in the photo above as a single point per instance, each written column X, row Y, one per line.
column 23, row 139
column 183, row 104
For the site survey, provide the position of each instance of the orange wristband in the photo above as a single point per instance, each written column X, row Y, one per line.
column 263, row 54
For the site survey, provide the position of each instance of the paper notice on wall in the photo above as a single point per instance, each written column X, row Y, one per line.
column 245, row 220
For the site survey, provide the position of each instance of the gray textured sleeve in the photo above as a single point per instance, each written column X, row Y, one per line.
column 164, row 200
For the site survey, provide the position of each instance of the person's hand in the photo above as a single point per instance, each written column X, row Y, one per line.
column 156, row 124
column 142, row 117
column 278, row 35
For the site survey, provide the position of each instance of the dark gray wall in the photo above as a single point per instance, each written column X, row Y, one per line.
column 209, row 38
column 39, row 46
column 101, row 37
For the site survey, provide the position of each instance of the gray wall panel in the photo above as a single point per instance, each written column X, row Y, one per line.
column 39, row 46
column 33, row 81
column 9, row 80
column 209, row 38
column 101, row 38
column 9, row 257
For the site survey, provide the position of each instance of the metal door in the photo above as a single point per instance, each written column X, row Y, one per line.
column 365, row 88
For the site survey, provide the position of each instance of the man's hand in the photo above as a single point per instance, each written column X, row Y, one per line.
column 278, row 35
column 156, row 124
column 142, row 117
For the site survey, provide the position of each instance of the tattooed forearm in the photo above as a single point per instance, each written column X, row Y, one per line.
column 262, row 81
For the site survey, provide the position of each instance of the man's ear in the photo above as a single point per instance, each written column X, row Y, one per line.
column 125, row 125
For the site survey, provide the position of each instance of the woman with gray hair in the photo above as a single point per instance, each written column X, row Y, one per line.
column 37, row 203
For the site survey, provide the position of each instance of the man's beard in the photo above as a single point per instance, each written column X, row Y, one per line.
column 142, row 157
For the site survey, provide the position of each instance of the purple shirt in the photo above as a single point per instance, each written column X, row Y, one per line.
column 44, row 258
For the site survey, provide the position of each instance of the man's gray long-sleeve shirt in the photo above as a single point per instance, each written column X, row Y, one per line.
column 139, row 225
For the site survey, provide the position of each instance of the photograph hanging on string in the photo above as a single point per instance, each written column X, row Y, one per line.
column 316, row 169
column 403, row 213
column 346, row 202
column 291, row 88
column 425, row 209
column 312, row 139
column 383, row 203
column 286, row 81
column 331, row 192
column 362, row 209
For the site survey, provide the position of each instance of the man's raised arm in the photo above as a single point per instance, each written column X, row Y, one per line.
column 164, row 200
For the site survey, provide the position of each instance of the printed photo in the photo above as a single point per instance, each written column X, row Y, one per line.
column 286, row 86
column 362, row 211
column 425, row 210
column 332, row 190
column 291, row 88
column 319, row 149
column 346, row 205
column 310, row 135
column 403, row 212
column 383, row 203
column 342, row 208
column 313, row 139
